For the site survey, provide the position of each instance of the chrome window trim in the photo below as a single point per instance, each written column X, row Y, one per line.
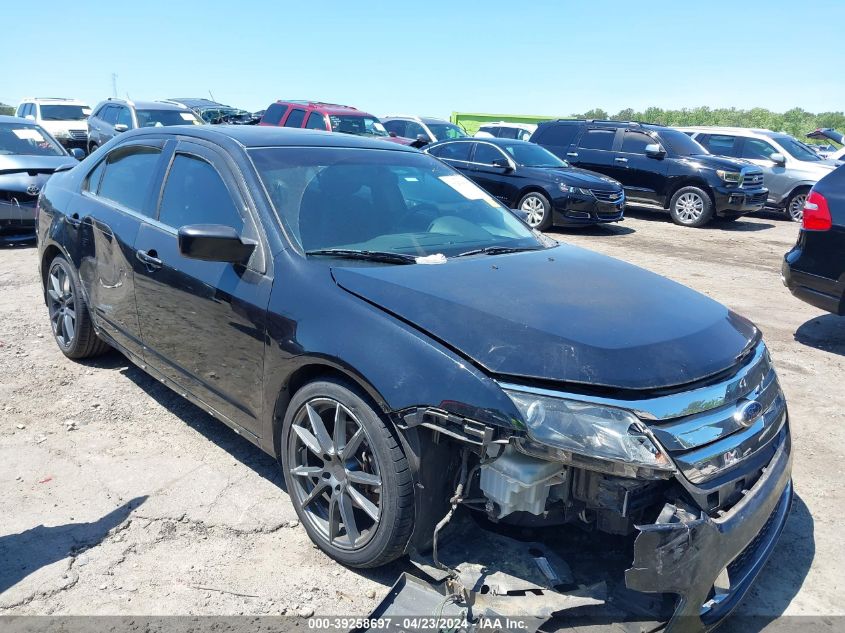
column 685, row 403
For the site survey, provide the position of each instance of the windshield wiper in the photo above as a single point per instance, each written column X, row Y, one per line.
column 497, row 250
column 374, row 256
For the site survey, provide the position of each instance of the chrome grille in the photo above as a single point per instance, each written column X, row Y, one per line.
column 78, row 135
column 752, row 180
column 607, row 196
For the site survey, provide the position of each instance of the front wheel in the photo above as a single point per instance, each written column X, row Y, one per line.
column 538, row 210
column 346, row 475
column 795, row 205
column 691, row 206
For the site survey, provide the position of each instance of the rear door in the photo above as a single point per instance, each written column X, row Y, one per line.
column 295, row 118
column 203, row 323
column 117, row 197
column 595, row 150
column 456, row 154
column 721, row 144
column 643, row 177
column 559, row 138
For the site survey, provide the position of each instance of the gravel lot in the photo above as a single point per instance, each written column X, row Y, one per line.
column 122, row 498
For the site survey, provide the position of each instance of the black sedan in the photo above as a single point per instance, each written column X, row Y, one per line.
column 28, row 156
column 403, row 345
column 528, row 177
column 814, row 270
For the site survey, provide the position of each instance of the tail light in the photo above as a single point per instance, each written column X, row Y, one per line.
column 816, row 213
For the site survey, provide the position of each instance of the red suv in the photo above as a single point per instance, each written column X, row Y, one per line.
column 329, row 117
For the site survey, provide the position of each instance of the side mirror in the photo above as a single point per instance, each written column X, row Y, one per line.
column 214, row 243
column 778, row 158
column 503, row 163
column 422, row 138
column 392, row 134
column 653, row 150
column 77, row 153
column 120, row 127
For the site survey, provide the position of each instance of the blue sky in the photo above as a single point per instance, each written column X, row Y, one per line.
column 434, row 57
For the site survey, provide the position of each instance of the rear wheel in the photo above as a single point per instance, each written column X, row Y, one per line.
column 538, row 210
column 69, row 317
column 691, row 206
column 795, row 205
column 346, row 475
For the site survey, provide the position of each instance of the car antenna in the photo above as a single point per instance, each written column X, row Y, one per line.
column 211, row 95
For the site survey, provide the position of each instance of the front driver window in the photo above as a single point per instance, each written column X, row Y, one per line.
column 195, row 194
column 487, row 154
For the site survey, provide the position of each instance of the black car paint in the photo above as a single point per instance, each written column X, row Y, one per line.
column 238, row 340
column 653, row 180
column 814, row 269
column 510, row 184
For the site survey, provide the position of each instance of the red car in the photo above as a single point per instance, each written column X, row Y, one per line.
column 329, row 117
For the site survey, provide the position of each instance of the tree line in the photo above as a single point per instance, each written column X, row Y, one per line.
column 796, row 121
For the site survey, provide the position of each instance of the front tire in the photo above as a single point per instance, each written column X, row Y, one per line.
column 347, row 475
column 795, row 205
column 92, row 147
column 70, row 319
column 691, row 206
column 538, row 210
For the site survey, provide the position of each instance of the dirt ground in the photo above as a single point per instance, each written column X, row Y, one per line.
column 121, row 498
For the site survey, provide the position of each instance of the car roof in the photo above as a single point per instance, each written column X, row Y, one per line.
column 731, row 130
column 268, row 136
column 54, row 100
column 322, row 106
column 16, row 119
column 522, row 126
column 197, row 102
column 145, row 105
column 482, row 139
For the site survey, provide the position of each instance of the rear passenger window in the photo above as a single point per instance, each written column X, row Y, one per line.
column 274, row 114
column 128, row 177
column 720, row 144
column 195, row 194
column 757, row 149
column 508, row 132
column 316, row 121
column 561, row 134
column 454, row 151
column 597, row 139
column 635, row 142
column 295, row 118
column 397, row 127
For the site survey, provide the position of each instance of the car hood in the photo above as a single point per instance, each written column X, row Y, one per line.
column 712, row 161
column 564, row 314
column 572, row 176
column 42, row 164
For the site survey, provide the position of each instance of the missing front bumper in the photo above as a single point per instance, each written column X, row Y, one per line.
column 686, row 556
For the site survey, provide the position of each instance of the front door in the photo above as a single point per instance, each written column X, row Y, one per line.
column 203, row 323
column 775, row 176
column 490, row 175
column 642, row 176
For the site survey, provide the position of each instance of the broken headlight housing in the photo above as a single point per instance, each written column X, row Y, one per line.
column 591, row 436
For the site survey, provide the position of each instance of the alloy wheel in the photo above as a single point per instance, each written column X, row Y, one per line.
column 536, row 210
column 796, row 207
column 336, row 478
column 689, row 207
column 62, row 305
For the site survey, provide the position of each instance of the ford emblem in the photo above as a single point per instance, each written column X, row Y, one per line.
column 747, row 412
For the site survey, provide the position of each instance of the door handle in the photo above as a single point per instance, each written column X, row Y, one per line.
column 573, row 154
column 74, row 220
column 619, row 159
column 148, row 258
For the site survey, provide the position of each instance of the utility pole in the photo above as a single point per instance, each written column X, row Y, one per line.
column 114, row 85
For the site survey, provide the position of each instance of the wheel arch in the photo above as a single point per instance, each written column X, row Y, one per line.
column 49, row 254
column 533, row 188
column 801, row 186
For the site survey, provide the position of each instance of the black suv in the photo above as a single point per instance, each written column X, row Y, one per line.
column 659, row 167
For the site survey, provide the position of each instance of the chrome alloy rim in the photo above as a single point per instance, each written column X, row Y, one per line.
column 535, row 209
column 336, row 479
column 62, row 305
column 689, row 207
column 796, row 207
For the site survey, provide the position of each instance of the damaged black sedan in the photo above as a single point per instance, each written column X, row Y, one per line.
column 408, row 348
column 28, row 156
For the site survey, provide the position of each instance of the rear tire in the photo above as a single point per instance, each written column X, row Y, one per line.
column 347, row 476
column 691, row 206
column 538, row 208
column 70, row 319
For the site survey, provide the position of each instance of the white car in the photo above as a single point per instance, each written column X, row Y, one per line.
column 65, row 119
column 505, row 129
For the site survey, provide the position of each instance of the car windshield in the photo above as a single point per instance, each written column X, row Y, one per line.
column 680, row 144
column 64, row 112
column 215, row 114
column 443, row 131
column 796, row 148
column 28, row 140
column 159, row 118
column 531, row 155
column 357, row 124
column 403, row 203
